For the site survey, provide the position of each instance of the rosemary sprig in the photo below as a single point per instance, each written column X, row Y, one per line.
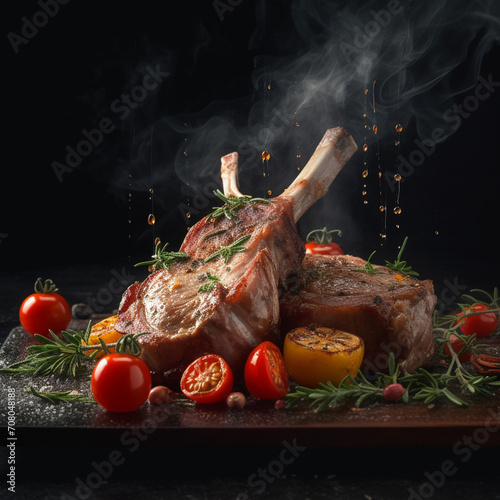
column 58, row 397
column 420, row 386
column 65, row 355
column 400, row 265
column 210, row 284
column 368, row 267
column 232, row 204
column 491, row 300
column 228, row 251
column 162, row 259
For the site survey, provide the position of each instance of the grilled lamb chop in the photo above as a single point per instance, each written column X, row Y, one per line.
column 390, row 314
column 221, row 301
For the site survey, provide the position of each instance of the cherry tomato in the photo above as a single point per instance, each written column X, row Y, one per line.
column 329, row 249
column 44, row 310
column 120, row 382
column 457, row 344
column 265, row 372
column 320, row 242
column 480, row 324
column 208, row 379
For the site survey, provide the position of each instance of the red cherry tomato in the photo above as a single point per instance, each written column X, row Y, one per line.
column 329, row 249
column 266, row 376
column 120, row 382
column 44, row 310
column 208, row 379
column 480, row 324
column 319, row 241
column 457, row 345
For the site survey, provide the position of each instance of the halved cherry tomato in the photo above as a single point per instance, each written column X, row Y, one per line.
column 120, row 382
column 457, row 345
column 44, row 310
column 208, row 379
column 320, row 242
column 329, row 249
column 317, row 355
column 265, row 372
column 480, row 324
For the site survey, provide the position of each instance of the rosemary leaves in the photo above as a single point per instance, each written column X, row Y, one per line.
column 232, row 204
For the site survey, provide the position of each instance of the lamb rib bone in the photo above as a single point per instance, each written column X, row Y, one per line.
column 241, row 310
column 331, row 154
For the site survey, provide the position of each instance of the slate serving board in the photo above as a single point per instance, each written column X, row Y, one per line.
column 184, row 423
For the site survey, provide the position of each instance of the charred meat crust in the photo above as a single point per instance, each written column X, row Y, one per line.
column 390, row 314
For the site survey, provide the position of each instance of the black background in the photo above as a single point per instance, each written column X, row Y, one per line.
column 66, row 77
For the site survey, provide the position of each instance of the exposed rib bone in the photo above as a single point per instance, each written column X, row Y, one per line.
column 229, row 174
column 332, row 153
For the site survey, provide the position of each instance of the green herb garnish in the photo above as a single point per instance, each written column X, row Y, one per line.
column 228, row 251
column 210, row 284
column 400, row 265
column 58, row 397
column 162, row 259
column 368, row 267
column 66, row 355
column 232, row 204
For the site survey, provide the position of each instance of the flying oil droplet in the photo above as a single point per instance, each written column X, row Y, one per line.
column 436, row 232
column 375, row 129
column 364, row 193
column 365, row 202
column 151, row 219
column 365, row 147
column 382, row 208
column 398, row 128
column 397, row 210
column 365, row 174
column 297, row 124
column 265, row 156
column 269, row 192
column 188, row 215
column 396, row 143
column 397, row 177
column 151, row 191
column 366, row 91
column 298, row 156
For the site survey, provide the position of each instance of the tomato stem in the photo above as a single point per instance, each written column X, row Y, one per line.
column 322, row 236
column 47, row 286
